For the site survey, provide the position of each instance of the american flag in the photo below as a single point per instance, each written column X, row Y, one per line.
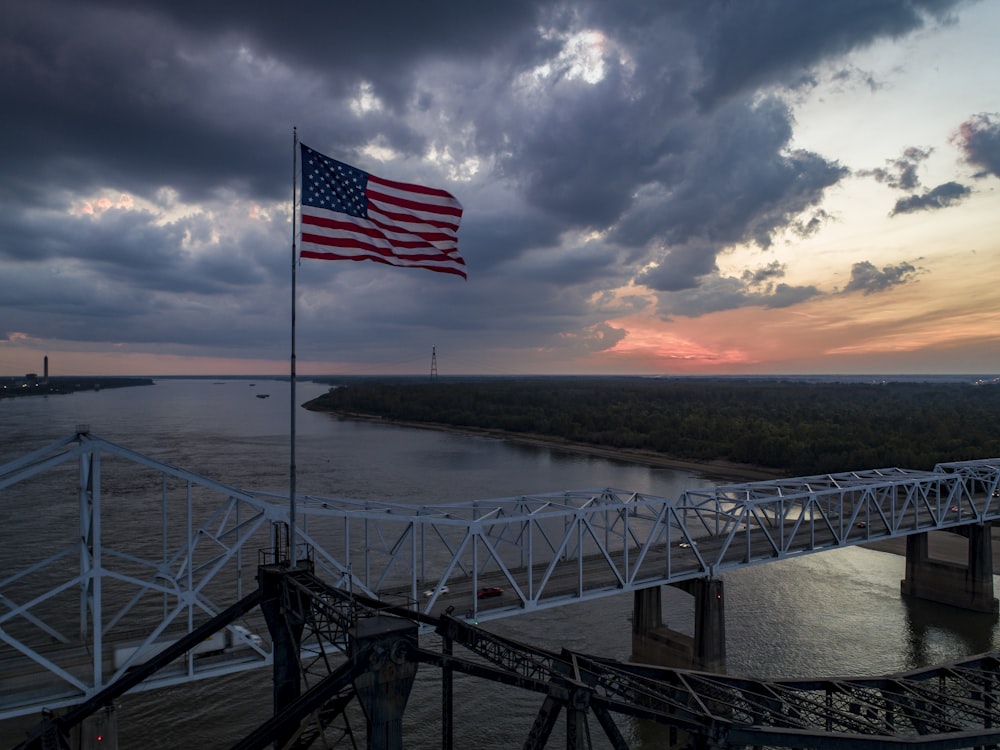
column 349, row 214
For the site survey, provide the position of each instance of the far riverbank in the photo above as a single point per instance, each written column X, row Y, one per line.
column 761, row 428
column 718, row 470
column 943, row 546
column 33, row 385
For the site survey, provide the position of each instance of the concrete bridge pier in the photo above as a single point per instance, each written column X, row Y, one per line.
column 383, row 688
column 653, row 642
column 967, row 586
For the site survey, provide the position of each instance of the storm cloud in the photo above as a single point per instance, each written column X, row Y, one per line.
column 147, row 151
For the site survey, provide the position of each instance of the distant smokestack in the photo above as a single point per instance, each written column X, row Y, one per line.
column 46, row 369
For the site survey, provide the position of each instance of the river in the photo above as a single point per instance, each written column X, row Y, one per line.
column 834, row 614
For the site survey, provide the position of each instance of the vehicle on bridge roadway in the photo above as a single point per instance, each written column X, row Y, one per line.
column 430, row 592
column 226, row 640
column 489, row 592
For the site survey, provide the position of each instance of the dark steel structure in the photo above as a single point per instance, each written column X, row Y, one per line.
column 369, row 653
column 345, row 620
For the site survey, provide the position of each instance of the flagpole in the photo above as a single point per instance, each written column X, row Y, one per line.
column 291, row 464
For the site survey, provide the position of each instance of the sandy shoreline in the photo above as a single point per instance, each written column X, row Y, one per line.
column 943, row 546
column 726, row 471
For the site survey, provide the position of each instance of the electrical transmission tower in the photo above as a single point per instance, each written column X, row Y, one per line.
column 434, row 362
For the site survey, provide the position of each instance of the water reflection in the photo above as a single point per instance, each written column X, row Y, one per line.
column 936, row 633
column 833, row 614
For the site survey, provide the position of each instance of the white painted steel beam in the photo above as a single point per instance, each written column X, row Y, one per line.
column 160, row 550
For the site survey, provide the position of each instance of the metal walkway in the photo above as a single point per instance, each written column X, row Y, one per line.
column 133, row 553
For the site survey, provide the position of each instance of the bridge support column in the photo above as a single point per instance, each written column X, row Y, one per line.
column 577, row 732
column 968, row 587
column 709, row 625
column 285, row 625
column 384, row 687
column 653, row 642
column 447, row 695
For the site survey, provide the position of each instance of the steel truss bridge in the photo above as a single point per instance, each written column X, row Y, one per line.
column 950, row 706
column 130, row 554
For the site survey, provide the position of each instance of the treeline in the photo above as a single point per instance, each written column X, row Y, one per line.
column 35, row 386
column 796, row 427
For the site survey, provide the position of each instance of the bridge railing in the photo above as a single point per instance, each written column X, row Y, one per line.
column 117, row 556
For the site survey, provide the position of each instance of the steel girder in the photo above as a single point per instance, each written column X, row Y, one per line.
column 121, row 556
column 137, row 552
column 547, row 550
column 952, row 705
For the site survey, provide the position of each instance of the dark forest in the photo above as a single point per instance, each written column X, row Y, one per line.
column 799, row 428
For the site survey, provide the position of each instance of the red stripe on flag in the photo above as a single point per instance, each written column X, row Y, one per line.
column 402, row 224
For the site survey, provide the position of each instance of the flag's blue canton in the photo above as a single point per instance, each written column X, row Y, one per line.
column 333, row 185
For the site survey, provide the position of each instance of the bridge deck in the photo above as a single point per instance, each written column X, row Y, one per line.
column 134, row 548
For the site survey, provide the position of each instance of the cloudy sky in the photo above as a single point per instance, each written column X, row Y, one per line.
column 649, row 186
